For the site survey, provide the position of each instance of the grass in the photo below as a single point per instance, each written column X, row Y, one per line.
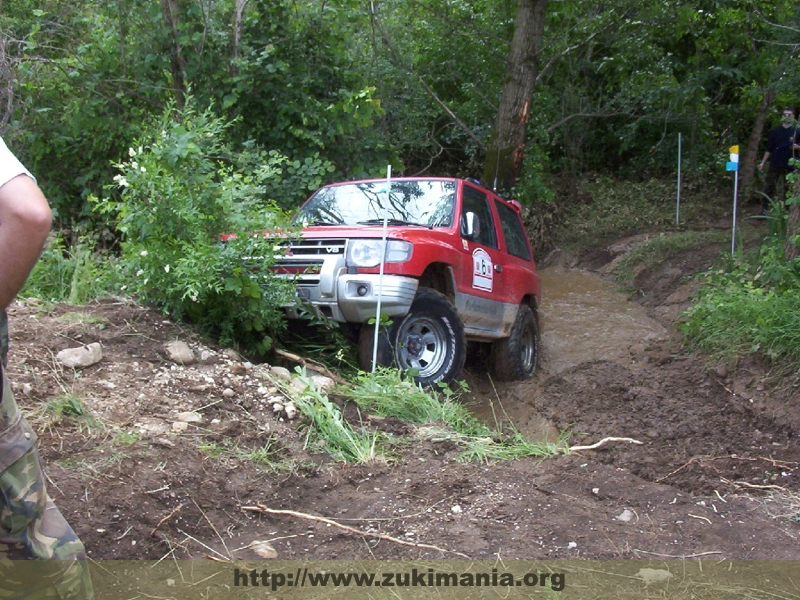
column 662, row 247
column 75, row 274
column 444, row 418
column 333, row 433
column 68, row 408
column 267, row 456
column 601, row 208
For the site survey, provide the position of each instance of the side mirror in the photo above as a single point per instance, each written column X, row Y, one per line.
column 470, row 227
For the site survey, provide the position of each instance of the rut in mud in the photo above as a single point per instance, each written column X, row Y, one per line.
column 716, row 473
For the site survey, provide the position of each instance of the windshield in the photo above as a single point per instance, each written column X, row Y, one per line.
column 411, row 202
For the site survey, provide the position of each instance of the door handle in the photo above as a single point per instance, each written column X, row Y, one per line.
column 498, row 268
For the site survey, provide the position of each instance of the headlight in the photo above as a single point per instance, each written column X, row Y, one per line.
column 368, row 253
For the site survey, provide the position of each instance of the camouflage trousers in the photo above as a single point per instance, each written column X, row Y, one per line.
column 31, row 527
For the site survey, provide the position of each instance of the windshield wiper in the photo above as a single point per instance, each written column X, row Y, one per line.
column 389, row 222
column 320, row 223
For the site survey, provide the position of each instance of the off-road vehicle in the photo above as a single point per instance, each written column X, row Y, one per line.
column 443, row 261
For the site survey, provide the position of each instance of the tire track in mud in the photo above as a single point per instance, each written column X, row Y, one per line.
column 609, row 369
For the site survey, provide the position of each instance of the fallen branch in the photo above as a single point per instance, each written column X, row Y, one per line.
column 263, row 509
column 753, row 486
column 603, row 441
column 314, row 364
column 165, row 519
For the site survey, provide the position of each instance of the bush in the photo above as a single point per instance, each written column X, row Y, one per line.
column 749, row 307
column 181, row 189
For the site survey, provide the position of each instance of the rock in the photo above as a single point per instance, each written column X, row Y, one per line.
column 180, row 353
column 78, row 358
column 189, row 417
column 281, row 372
column 238, row 369
column 625, row 516
column 179, row 426
column 654, row 575
column 323, row 383
column 291, row 410
column 298, row 385
column 258, row 549
column 207, row 356
column 721, row 371
column 228, row 393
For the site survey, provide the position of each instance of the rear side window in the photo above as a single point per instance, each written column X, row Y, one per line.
column 513, row 232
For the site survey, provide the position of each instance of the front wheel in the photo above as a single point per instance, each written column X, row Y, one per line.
column 514, row 357
column 429, row 340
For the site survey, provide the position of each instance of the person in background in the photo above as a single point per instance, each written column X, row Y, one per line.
column 31, row 527
column 781, row 145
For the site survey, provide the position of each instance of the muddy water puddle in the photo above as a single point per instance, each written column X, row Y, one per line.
column 582, row 318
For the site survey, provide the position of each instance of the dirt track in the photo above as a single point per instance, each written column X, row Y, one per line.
column 717, row 474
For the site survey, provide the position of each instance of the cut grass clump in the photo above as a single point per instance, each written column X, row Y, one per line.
column 330, row 431
column 444, row 418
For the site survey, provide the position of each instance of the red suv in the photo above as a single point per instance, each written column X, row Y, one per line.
column 446, row 260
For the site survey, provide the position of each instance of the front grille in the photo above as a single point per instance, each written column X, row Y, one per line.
column 304, row 259
column 324, row 247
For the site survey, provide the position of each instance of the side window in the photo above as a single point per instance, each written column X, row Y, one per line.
column 477, row 202
column 513, row 232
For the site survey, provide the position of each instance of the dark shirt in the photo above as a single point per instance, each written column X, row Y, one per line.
column 779, row 146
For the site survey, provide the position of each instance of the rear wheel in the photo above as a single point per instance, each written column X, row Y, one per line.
column 429, row 340
column 514, row 357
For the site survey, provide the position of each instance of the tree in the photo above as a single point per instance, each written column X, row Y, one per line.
column 507, row 148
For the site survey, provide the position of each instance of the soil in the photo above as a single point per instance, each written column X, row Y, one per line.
column 716, row 472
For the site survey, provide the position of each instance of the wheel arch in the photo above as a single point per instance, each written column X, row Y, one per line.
column 531, row 301
column 440, row 277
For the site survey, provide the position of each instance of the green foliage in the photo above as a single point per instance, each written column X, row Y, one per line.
column 182, row 189
column 749, row 307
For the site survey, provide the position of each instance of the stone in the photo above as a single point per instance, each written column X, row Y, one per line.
column 78, row 358
column 625, row 516
column 281, row 372
column 322, row 383
column 189, row 417
column 180, row 353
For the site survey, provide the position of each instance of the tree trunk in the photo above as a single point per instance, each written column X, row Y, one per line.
column 238, row 18
column 747, row 168
column 791, row 250
column 170, row 11
column 506, row 151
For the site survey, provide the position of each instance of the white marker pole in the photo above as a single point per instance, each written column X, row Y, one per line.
column 733, row 165
column 735, row 198
column 678, row 212
column 383, row 260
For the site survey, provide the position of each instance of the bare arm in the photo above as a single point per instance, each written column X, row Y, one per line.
column 25, row 220
column 764, row 160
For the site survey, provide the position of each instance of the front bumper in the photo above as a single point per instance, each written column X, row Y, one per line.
column 356, row 298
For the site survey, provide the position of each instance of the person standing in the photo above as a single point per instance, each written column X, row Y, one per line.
column 781, row 145
column 31, row 527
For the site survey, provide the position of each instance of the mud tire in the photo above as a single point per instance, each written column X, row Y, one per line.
column 429, row 339
column 514, row 358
